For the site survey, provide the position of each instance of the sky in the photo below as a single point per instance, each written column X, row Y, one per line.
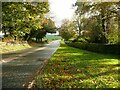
column 61, row 9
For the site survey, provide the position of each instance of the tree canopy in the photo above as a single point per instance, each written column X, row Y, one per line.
column 100, row 19
column 26, row 20
column 67, row 30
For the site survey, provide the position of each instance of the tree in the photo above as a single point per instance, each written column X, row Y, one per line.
column 82, row 8
column 24, row 18
column 49, row 25
column 67, row 30
column 97, row 17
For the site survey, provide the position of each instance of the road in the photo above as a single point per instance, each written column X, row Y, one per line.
column 21, row 67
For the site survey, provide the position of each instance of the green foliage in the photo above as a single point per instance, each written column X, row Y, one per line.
column 80, row 39
column 99, row 18
column 97, row 34
column 39, row 33
column 67, row 30
column 74, row 68
column 49, row 26
column 100, row 48
column 24, row 19
column 113, row 37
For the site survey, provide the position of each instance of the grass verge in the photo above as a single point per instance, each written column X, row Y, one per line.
column 74, row 68
column 9, row 47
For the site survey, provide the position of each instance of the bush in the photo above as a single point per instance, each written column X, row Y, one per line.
column 100, row 48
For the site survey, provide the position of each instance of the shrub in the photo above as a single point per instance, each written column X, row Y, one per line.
column 100, row 48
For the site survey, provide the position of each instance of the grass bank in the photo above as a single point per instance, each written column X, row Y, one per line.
column 14, row 46
column 9, row 45
column 74, row 68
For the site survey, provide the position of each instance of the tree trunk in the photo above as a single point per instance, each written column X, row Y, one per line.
column 103, row 26
column 108, row 23
column 4, row 31
column 119, row 24
column 41, row 40
column 79, row 27
column 103, row 23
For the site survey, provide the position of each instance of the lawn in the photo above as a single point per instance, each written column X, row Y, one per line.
column 12, row 47
column 52, row 37
column 74, row 68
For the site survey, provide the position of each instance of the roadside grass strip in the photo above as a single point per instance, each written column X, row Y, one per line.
column 74, row 68
column 12, row 47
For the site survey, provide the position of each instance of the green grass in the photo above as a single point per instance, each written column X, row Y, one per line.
column 52, row 37
column 74, row 68
column 12, row 47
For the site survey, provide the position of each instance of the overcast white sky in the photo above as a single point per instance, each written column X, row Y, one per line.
column 61, row 9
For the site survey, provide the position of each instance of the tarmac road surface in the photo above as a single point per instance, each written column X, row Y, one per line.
column 19, row 68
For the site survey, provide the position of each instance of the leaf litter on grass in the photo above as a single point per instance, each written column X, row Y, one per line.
column 68, row 70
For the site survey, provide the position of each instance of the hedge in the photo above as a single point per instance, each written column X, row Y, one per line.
column 100, row 48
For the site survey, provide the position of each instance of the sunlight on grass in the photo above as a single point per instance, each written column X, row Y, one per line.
column 74, row 68
column 52, row 37
column 12, row 47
